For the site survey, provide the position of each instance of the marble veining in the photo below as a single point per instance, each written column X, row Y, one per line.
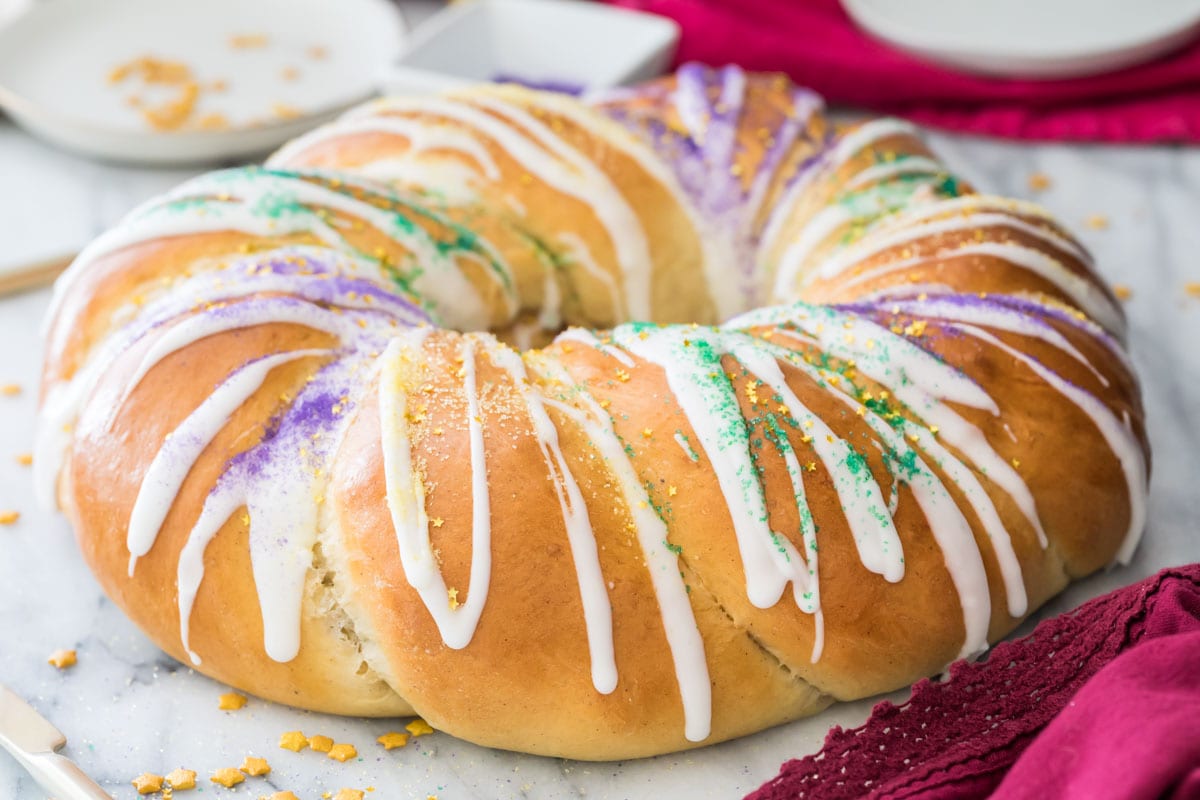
column 127, row 708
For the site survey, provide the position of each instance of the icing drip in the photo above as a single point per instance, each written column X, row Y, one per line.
column 406, row 494
column 597, row 611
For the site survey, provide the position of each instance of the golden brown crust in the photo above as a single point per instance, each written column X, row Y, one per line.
column 368, row 642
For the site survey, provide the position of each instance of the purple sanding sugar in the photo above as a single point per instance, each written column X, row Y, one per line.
column 541, row 84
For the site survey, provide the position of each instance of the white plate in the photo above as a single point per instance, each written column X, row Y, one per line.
column 564, row 43
column 313, row 58
column 1039, row 39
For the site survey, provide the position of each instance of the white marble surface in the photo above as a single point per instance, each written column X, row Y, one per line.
column 127, row 708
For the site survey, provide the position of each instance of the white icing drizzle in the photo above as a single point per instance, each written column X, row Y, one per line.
column 1119, row 438
column 406, row 496
column 590, row 339
column 183, row 446
column 682, row 441
column 908, row 165
column 564, row 169
column 679, row 621
column 597, row 611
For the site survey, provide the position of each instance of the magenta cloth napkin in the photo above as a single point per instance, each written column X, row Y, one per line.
column 1102, row 702
column 815, row 43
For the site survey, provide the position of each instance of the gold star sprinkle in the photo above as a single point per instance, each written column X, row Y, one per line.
column 282, row 796
column 227, row 777
column 294, row 741
column 231, row 701
column 622, row 375
column 348, row 794
column 25, row 459
column 1122, row 291
column 9, row 517
column 182, row 779
column 418, row 727
column 255, row 766
column 1016, row 463
column 322, row 744
column 811, row 466
column 438, row 522
column 10, row 389
column 647, row 433
column 147, row 783
column 342, row 752
column 392, row 740
column 452, row 594
column 672, row 491
column 61, row 659
column 1039, row 182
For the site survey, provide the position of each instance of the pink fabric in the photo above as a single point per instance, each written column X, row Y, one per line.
column 815, row 43
column 1103, row 702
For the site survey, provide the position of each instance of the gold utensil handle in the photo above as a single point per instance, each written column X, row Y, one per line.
column 34, row 275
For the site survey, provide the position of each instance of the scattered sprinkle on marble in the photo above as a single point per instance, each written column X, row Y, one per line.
column 1039, row 182
column 24, row 459
column 255, row 766
column 392, row 740
column 342, row 752
column 147, row 783
column 231, row 701
column 228, row 777
column 10, row 389
column 322, row 744
column 1097, row 222
column 1122, row 291
column 9, row 517
column 62, row 659
column 418, row 727
column 182, row 779
column 294, row 741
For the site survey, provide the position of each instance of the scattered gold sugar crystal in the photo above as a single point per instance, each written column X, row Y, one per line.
column 392, row 740
column 62, row 658
column 1039, row 182
column 418, row 727
column 342, row 752
column 9, row 517
column 231, row 701
column 228, row 777
column 182, row 779
column 322, row 744
column 255, row 766
column 147, row 783
column 294, row 741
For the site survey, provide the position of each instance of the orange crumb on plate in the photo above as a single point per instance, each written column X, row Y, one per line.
column 248, row 41
column 289, row 73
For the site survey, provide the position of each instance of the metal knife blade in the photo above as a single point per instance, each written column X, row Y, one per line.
column 24, row 728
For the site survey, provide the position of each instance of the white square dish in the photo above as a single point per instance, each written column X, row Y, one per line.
column 566, row 44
